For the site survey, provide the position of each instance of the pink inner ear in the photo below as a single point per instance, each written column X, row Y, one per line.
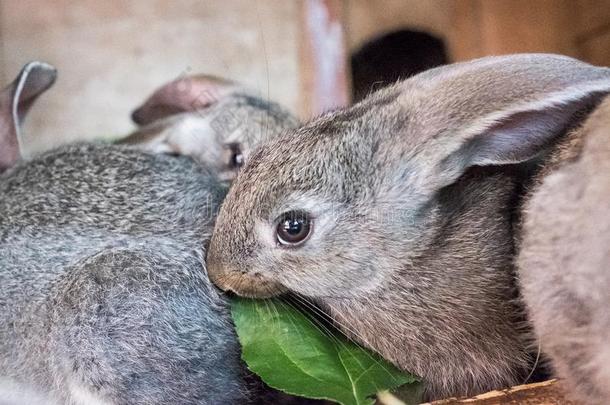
column 182, row 95
column 523, row 135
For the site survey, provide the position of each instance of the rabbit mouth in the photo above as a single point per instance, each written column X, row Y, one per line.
column 247, row 285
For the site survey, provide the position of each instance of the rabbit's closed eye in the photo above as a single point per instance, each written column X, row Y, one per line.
column 234, row 155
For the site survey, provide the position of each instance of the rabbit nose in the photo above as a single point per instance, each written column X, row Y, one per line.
column 221, row 274
column 245, row 284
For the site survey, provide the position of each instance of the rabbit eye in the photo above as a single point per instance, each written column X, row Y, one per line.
column 236, row 157
column 293, row 228
column 237, row 160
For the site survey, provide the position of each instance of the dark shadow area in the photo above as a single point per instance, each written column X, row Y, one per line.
column 394, row 56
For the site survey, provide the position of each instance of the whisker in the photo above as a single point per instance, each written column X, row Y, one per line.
column 351, row 260
column 313, row 307
column 314, row 322
column 534, row 365
column 332, row 334
column 268, row 305
column 322, row 313
column 264, row 44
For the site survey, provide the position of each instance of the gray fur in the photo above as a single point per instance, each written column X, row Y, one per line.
column 12, row 393
column 413, row 193
column 104, row 296
column 564, row 258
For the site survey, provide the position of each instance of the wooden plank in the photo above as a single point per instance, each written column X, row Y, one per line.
column 545, row 393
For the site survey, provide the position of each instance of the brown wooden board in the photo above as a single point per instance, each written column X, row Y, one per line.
column 548, row 393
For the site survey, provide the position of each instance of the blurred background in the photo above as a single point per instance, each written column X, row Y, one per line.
column 310, row 55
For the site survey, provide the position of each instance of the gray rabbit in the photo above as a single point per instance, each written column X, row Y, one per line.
column 564, row 258
column 104, row 292
column 213, row 120
column 104, row 296
column 399, row 216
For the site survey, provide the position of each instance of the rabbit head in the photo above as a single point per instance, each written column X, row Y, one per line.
column 213, row 120
column 396, row 215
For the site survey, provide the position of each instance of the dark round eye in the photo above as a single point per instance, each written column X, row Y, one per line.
column 236, row 157
column 293, row 228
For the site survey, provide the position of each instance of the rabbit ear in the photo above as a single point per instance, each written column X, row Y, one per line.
column 15, row 101
column 184, row 94
column 523, row 131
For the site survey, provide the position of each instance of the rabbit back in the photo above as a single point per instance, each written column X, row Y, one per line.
column 104, row 295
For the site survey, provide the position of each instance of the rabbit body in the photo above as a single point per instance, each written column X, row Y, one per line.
column 413, row 196
column 564, row 256
column 104, row 296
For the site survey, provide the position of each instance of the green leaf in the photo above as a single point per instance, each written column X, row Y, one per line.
column 299, row 355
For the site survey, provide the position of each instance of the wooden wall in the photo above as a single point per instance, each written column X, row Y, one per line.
column 593, row 31
column 475, row 28
column 578, row 28
column 112, row 54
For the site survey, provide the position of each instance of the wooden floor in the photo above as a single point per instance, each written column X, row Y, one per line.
column 547, row 393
